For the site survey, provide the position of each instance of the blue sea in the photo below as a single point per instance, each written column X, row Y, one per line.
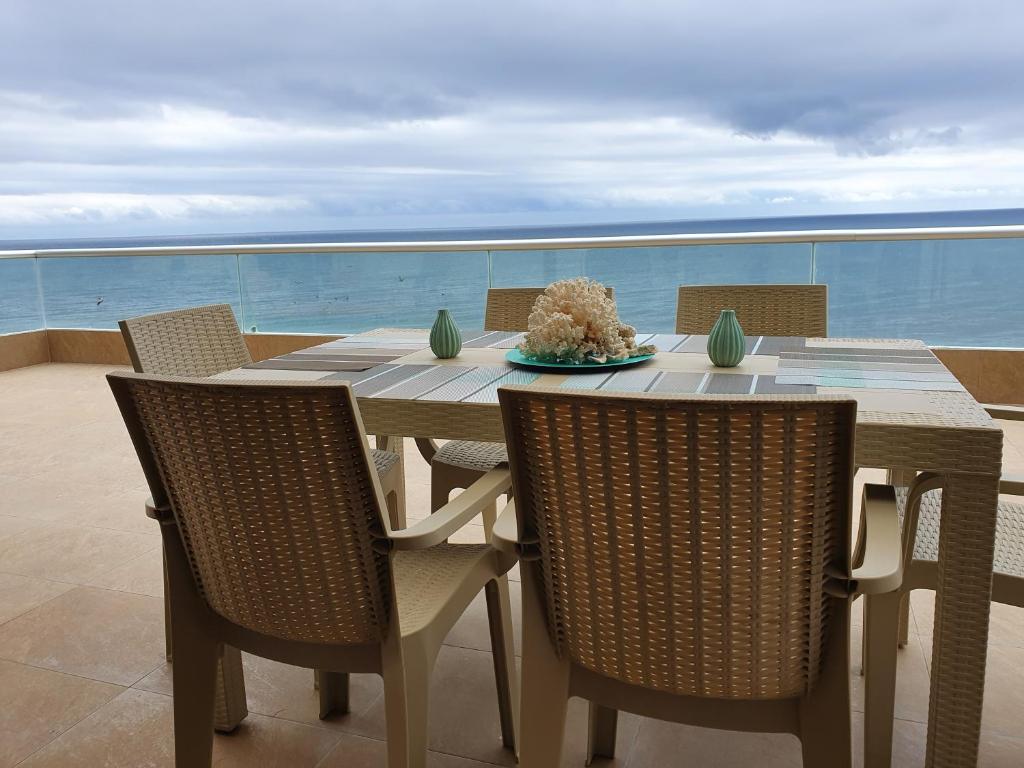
column 947, row 292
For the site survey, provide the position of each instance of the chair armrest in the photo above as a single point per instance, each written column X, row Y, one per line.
column 161, row 514
column 455, row 514
column 881, row 569
column 1012, row 484
column 1006, row 412
column 505, row 534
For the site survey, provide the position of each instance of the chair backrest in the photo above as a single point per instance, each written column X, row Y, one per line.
column 508, row 309
column 763, row 310
column 684, row 542
column 275, row 497
column 199, row 341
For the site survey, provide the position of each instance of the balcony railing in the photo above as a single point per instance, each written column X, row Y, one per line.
column 947, row 286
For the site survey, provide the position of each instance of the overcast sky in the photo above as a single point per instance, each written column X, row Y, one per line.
column 185, row 116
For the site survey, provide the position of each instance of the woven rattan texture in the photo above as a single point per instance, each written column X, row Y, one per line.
column 470, row 454
column 683, row 544
column 272, row 492
column 1009, row 552
column 508, row 309
column 188, row 342
column 384, row 461
column 763, row 310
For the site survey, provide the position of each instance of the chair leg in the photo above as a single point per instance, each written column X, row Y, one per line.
column 195, row 680
column 396, row 515
column 440, row 486
column 406, row 670
column 395, row 445
column 602, row 728
column 545, row 696
column 824, row 714
column 863, row 637
column 905, row 620
column 168, row 644
column 231, row 706
column 881, row 639
column 333, row 691
column 499, row 618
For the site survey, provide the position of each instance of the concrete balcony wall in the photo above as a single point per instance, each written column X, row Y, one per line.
column 76, row 345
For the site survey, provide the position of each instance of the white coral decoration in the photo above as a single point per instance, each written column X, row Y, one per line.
column 575, row 321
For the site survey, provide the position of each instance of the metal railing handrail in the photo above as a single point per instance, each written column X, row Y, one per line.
column 539, row 244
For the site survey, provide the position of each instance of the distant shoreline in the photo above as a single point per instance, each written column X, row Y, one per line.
column 994, row 217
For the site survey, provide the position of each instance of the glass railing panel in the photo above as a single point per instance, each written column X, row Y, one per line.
column 88, row 292
column 646, row 278
column 946, row 292
column 352, row 292
column 20, row 307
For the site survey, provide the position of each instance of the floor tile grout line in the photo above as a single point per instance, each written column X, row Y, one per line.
column 8, row 620
column 81, row 677
column 62, row 672
column 79, row 526
column 471, row 759
column 56, row 736
column 76, row 584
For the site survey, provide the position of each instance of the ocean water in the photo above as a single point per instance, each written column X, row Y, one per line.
column 946, row 292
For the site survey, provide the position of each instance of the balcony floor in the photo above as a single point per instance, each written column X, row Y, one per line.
column 81, row 630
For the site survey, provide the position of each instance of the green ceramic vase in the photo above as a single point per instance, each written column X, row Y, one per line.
column 726, row 346
column 445, row 339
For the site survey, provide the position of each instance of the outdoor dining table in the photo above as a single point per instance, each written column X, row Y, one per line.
column 913, row 415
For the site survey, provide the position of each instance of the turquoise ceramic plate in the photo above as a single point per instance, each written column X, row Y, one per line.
column 517, row 358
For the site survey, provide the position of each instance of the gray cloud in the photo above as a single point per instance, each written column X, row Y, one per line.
column 833, row 72
column 396, row 106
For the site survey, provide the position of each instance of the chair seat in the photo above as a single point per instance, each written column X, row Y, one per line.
column 384, row 461
column 426, row 579
column 1009, row 554
column 469, row 454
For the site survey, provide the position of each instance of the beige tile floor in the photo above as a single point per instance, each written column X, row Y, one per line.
column 84, row 683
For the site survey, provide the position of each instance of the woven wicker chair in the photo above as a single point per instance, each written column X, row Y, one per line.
column 689, row 559
column 763, row 310
column 887, row 617
column 203, row 341
column 291, row 558
column 460, row 463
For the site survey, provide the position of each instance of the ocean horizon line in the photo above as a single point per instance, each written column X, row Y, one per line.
column 839, row 221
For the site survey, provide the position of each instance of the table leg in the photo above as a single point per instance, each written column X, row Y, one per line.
column 966, row 544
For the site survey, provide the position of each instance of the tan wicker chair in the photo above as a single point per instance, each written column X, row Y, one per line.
column 460, row 463
column 203, row 341
column 763, row 310
column 887, row 617
column 689, row 559
column 292, row 559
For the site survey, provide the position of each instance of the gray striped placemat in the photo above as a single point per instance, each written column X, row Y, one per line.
column 867, row 368
column 680, row 383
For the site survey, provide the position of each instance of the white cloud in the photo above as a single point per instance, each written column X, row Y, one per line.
column 332, row 115
column 60, row 207
column 185, row 165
